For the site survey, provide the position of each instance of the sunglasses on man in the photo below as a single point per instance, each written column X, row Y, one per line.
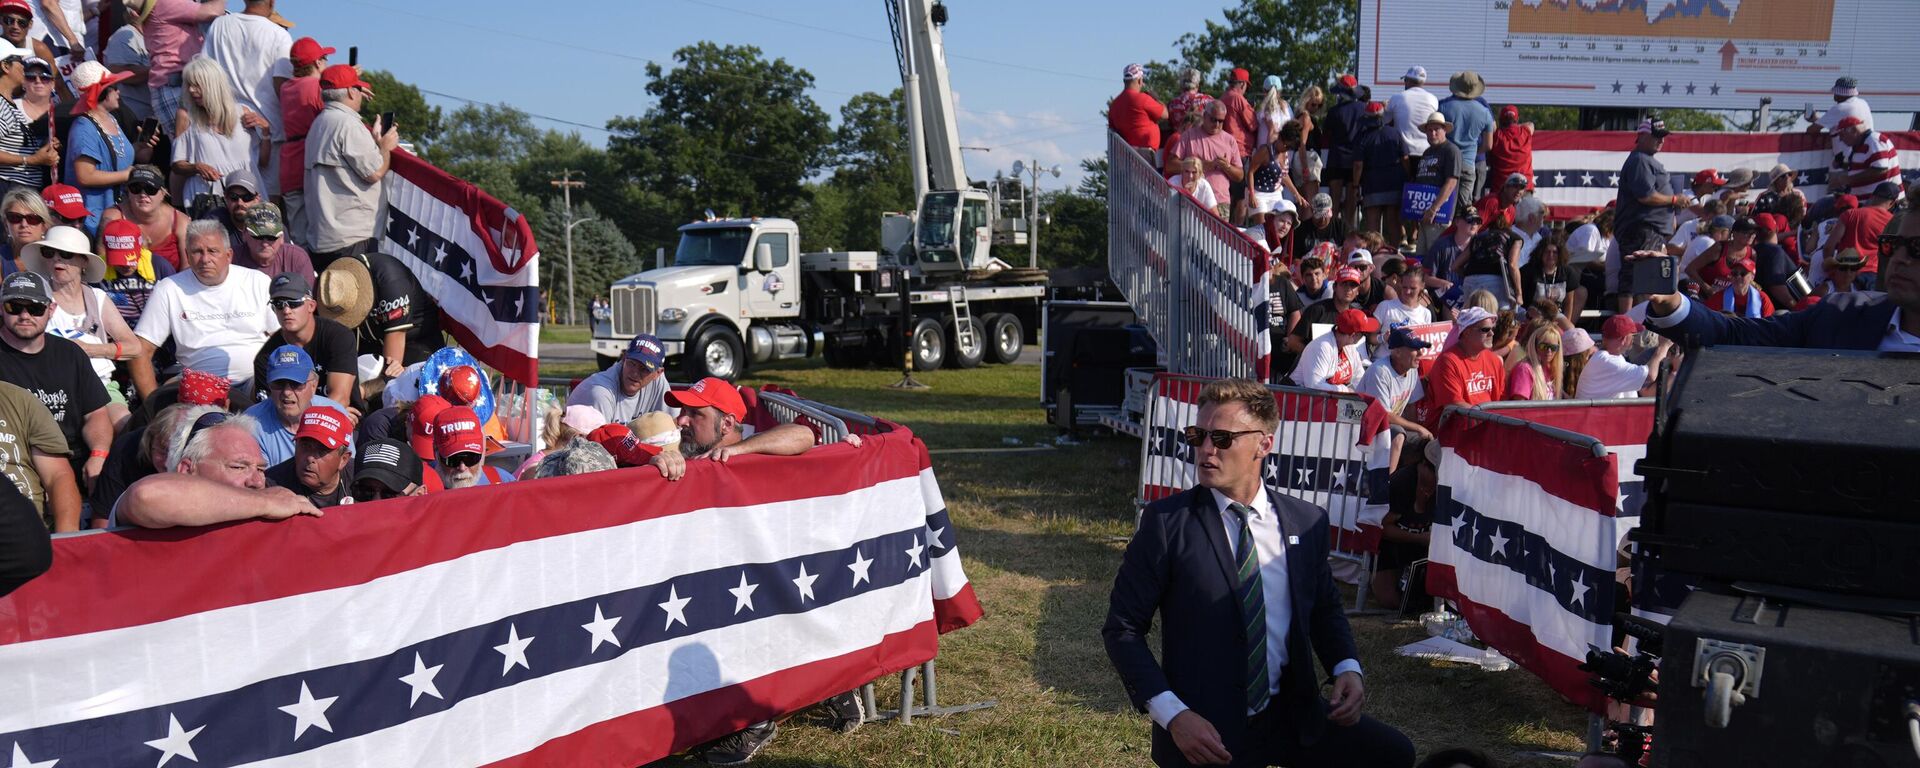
column 241, row 195
column 464, row 459
column 11, row 20
column 1222, row 439
column 282, row 305
column 17, row 306
column 1892, row 244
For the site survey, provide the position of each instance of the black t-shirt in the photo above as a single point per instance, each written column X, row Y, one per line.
column 1439, row 163
column 399, row 304
column 1306, row 235
column 1320, row 312
column 26, row 549
column 383, row 424
column 62, row 377
column 1487, row 253
column 1536, row 284
column 1771, row 265
column 125, row 464
column 282, row 475
column 332, row 349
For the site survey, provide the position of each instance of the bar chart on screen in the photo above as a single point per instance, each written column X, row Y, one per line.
column 1800, row 21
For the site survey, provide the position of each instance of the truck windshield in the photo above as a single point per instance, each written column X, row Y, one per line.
column 936, row 220
column 712, row 247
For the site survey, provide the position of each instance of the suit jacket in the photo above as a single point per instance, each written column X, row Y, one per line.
column 1856, row 320
column 1179, row 563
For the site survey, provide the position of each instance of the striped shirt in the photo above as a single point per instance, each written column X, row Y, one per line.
column 13, row 140
column 1870, row 162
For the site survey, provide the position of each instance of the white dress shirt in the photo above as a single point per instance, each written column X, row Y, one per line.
column 1271, row 554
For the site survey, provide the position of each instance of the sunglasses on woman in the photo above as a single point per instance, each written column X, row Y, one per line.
column 43, row 77
column 25, row 218
column 1548, row 348
column 1222, row 439
column 63, row 255
column 142, row 189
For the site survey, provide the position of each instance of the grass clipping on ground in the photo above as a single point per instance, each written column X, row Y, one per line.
column 1041, row 534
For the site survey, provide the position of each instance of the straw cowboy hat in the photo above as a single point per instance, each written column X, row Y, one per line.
column 1467, row 85
column 65, row 239
column 346, row 292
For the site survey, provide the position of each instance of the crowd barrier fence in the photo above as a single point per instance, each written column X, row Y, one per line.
column 1198, row 283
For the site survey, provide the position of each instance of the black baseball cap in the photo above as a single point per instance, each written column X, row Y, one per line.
column 147, row 174
column 26, row 286
column 290, row 286
column 391, row 462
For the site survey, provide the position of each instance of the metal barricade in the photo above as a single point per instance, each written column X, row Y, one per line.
column 790, row 409
column 1198, row 283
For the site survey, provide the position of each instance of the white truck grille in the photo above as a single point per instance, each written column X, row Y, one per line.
column 634, row 311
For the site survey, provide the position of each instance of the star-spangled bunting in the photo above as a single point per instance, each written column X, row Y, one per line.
column 675, row 606
column 743, row 594
column 309, row 712
column 177, row 743
column 601, row 629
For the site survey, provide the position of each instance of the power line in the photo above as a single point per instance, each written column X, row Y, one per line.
column 534, row 115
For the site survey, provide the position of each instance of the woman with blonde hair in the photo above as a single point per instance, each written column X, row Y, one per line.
column 217, row 135
column 27, row 219
column 1274, row 111
column 1538, row 375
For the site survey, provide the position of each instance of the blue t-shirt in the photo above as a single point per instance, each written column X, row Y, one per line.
column 1470, row 122
column 1382, row 152
column 276, row 442
column 109, row 153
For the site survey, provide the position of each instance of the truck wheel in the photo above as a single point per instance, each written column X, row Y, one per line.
column 1005, row 338
column 964, row 355
column 715, row 352
column 929, row 345
column 604, row 362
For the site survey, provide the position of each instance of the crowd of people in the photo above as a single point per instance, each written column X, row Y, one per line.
column 1539, row 305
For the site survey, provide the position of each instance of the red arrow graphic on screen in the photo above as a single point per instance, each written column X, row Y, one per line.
column 1726, row 55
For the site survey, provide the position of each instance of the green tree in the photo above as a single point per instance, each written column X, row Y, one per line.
column 418, row 121
column 873, row 172
column 1305, row 42
column 1076, row 233
column 729, row 130
column 601, row 254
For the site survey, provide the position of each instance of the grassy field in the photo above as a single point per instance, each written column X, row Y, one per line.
column 1041, row 534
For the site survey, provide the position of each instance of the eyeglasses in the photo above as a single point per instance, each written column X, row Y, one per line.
column 1222, row 439
column 1487, row 330
column 11, row 20
column 205, row 422
column 462, row 459
column 286, row 304
column 25, row 218
column 40, row 78
column 17, row 306
column 241, row 195
column 142, row 189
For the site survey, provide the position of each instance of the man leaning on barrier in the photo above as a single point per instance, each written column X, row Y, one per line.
column 218, row 475
column 1238, row 573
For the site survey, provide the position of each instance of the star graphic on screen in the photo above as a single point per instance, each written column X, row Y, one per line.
column 1640, row 87
column 1666, row 87
column 1713, row 90
column 601, row 629
column 1691, row 88
column 309, row 712
column 1617, row 85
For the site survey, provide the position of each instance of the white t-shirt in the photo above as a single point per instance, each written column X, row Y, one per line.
column 1852, row 107
column 1609, row 376
column 1527, row 244
column 1391, row 312
column 1586, row 245
column 1393, row 390
column 126, row 48
column 225, row 152
column 214, row 328
column 601, row 392
column 1325, row 368
column 1203, row 193
column 1697, row 246
column 1406, row 112
column 76, row 21
column 76, row 327
column 253, row 51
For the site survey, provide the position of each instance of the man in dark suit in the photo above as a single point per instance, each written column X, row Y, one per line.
column 1889, row 322
column 1238, row 572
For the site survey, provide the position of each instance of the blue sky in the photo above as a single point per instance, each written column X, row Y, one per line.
column 1030, row 77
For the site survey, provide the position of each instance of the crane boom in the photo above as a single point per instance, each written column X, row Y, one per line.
column 923, row 78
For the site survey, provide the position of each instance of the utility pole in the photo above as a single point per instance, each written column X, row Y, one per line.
column 567, row 185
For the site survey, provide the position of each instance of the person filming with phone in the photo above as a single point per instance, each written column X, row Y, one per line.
column 1888, row 322
column 345, row 164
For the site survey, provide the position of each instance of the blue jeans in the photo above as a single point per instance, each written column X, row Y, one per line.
column 1866, row 281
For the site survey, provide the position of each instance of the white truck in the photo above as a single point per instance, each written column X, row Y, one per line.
column 739, row 292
